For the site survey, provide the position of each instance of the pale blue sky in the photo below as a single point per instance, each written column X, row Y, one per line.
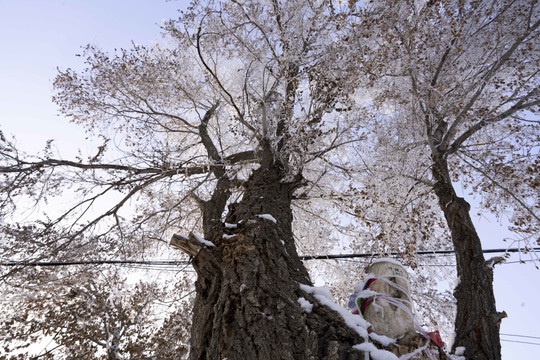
column 37, row 36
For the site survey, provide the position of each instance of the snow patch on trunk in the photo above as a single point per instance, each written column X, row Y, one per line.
column 323, row 295
column 375, row 354
column 306, row 305
column 459, row 353
column 383, row 340
column 268, row 217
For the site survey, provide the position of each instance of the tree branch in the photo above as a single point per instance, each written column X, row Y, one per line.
column 27, row 166
column 214, row 75
column 209, row 144
column 520, row 105
column 484, row 82
column 499, row 185
column 441, row 63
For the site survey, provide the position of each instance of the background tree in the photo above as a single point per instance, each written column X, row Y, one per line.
column 455, row 85
column 92, row 315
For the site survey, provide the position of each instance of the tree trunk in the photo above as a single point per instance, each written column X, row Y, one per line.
column 246, row 305
column 477, row 321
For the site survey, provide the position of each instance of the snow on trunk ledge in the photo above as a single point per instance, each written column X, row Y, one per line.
column 323, row 295
column 306, row 305
column 355, row 322
column 268, row 217
column 374, row 353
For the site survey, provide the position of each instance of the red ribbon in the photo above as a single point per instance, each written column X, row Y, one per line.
column 436, row 338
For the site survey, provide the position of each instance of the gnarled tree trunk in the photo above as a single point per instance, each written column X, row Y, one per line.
column 246, row 305
column 477, row 321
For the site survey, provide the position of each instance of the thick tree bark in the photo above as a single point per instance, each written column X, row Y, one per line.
column 246, row 305
column 477, row 321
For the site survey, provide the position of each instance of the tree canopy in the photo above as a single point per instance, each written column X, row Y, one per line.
column 348, row 125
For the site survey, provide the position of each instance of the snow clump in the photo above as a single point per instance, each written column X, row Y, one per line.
column 268, row 217
column 306, row 305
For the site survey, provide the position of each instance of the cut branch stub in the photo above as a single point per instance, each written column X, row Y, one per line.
column 191, row 244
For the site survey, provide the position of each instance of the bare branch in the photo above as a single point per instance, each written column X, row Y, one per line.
column 27, row 166
column 520, row 105
column 484, row 81
column 441, row 64
column 216, row 78
column 499, row 185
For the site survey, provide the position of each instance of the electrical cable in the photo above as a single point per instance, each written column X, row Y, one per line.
column 523, row 336
column 97, row 262
column 520, row 342
column 430, row 252
column 302, row 257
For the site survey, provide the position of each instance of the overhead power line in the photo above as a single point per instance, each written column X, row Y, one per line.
column 427, row 252
column 520, row 342
column 96, row 262
column 303, row 257
column 522, row 336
